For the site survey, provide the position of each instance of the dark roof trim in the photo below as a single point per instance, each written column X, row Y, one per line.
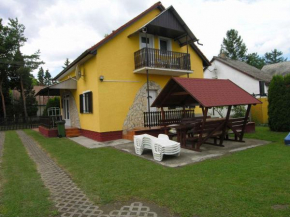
column 83, row 55
column 120, row 29
column 205, row 61
column 93, row 49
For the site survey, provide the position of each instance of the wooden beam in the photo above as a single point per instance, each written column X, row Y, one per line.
column 200, row 140
column 245, row 122
column 180, row 93
column 225, row 125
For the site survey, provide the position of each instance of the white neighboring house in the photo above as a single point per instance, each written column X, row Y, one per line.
column 251, row 79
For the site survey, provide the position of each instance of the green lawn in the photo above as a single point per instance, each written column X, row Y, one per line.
column 246, row 183
column 22, row 193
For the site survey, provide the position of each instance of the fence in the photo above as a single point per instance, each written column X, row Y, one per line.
column 17, row 123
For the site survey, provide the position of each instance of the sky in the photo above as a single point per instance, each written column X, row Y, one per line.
column 63, row 29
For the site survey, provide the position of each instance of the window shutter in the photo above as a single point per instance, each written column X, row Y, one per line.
column 81, row 104
column 90, row 99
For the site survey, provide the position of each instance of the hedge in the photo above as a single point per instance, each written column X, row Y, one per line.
column 279, row 103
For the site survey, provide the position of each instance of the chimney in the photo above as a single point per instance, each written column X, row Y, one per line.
column 223, row 55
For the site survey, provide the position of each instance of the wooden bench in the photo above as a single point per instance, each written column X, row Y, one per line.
column 202, row 132
column 236, row 126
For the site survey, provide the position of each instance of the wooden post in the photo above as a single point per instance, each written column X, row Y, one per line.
column 184, row 111
column 245, row 122
column 225, row 125
column 199, row 143
column 163, row 119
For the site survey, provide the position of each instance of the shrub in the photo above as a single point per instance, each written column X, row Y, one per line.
column 52, row 102
column 239, row 111
column 279, row 103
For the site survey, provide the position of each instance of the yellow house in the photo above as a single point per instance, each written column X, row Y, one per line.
column 104, row 91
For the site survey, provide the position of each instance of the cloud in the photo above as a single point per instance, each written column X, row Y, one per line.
column 64, row 29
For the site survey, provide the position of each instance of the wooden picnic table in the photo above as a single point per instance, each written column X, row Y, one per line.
column 213, row 128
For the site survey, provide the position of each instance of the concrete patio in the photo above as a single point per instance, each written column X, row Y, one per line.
column 188, row 157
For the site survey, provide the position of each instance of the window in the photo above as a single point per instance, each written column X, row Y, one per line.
column 262, row 88
column 163, row 45
column 86, row 102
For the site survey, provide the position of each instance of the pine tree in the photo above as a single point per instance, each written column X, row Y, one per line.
column 255, row 60
column 66, row 63
column 40, row 76
column 274, row 56
column 47, row 78
column 233, row 46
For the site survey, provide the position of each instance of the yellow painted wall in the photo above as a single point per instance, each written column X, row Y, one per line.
column 259, row 112
column 115, row 61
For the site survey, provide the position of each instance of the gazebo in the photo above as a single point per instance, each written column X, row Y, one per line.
column 207, row 93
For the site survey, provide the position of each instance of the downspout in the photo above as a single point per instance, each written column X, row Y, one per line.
column 147, row 73
column 187, row 56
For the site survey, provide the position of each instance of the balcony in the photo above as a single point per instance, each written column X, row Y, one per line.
column 160, row 62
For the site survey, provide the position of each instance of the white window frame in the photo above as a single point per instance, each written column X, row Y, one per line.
column 169, row 43
column 85, row 108
column 148, row 36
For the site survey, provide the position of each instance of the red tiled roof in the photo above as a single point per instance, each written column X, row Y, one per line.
column 205, row 92
column 216, row 92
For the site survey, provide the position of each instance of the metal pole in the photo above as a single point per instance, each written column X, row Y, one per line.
column 187, row 56
column 148, row 96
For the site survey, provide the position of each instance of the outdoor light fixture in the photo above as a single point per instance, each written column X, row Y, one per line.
column 144, row 30
column 101, row 78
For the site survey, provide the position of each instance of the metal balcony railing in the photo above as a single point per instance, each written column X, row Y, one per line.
column 155, row 58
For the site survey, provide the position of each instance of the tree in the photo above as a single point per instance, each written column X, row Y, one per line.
column 274, row 56
column 66, row 63
column 11, row 38
column 47, row 78
column 40, row 76
column 255, row 60
column 22, row 74
column 233, row 46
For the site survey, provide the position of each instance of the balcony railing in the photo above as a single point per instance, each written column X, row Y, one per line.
column 155, row 58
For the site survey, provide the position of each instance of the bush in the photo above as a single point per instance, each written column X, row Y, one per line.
column 52, row 102
column 279, row 103
column 239, row 111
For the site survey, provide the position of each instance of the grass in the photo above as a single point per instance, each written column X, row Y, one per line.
column 23, row 193
column 246, row 183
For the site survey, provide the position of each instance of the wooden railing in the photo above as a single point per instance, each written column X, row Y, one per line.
column 155, row 58
column 153, row 119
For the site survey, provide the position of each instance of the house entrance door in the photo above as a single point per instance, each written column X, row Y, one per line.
column 66, row 114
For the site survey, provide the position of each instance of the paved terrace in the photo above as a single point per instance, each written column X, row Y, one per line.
column 186, row 156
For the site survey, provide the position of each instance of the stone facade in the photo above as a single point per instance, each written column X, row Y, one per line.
column 135, row 115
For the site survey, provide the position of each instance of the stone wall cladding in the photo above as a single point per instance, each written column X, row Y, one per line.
column 135, row 115
column 48, row 132
column 102, row 137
